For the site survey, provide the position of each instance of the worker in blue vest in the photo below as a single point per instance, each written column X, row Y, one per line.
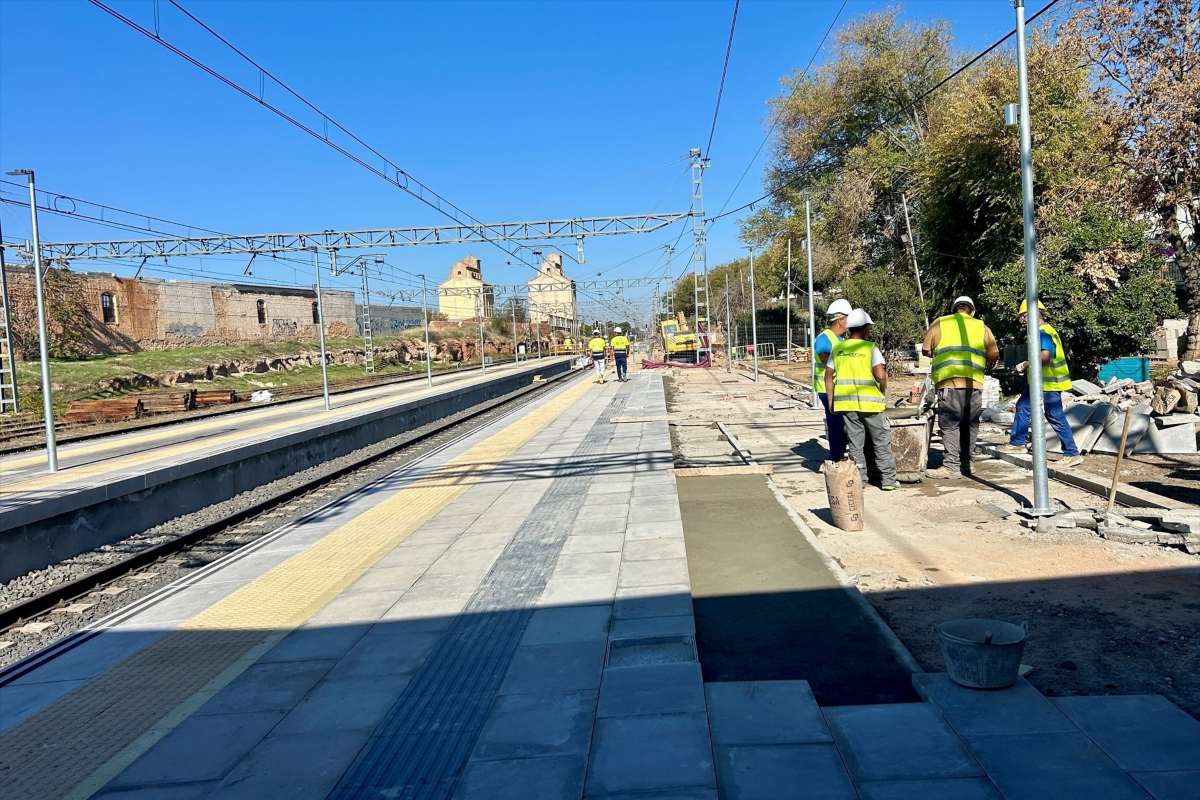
column 620, row 348
column 1056, row 379
column 835, row 429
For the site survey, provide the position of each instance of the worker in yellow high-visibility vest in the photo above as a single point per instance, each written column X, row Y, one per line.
column 835, row 432
column 962, row 349
column 856, row 384
column 596, row 346
column 620, row 348
column 1056, row 379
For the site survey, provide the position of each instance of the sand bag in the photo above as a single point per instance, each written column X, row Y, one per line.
column 843, row 485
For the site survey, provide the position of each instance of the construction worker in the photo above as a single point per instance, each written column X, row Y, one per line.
column 962, row 348
column 596, row 346
column 1056, row 379
column 568, row 345
column 835, row 432
column 620, row 348
column 856, row 380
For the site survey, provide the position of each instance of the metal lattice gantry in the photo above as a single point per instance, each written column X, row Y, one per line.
column 576, row 228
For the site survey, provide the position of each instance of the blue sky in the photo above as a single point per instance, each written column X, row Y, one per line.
column 512, row 110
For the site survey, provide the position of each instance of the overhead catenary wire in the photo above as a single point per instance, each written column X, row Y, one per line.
column 724, row 72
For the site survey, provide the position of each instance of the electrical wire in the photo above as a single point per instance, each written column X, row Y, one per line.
column 724, row 71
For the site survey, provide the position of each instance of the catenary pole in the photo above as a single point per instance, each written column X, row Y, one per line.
column 321, row 330
column 1041, row 487
column 787, row 292
column 516, row 357
column 729, row 345
column 482, row 356
column 912, row 251
column 753, row 317
column 425, row 319
column 812, row 314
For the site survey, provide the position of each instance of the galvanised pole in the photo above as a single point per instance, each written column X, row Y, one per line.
column 729, row 344
column 812, row 315
column 425, row 318
column 482, row 356
column 516, row 358
column 787, row 291
column 753, row 317
column 1041, row 485
column 43, row 338
column 321, row 330
column 912, row 249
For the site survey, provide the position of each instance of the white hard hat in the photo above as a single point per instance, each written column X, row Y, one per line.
column 839, row 306
column 960, row 300
column 596, row 332
column 616, row 330
column 858, row 318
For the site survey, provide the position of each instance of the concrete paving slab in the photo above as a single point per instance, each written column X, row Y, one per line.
column 782, row 772
column 567, row 624
column 653, row 549
column 606, row 522
column 660, row 572
column 298, row 767
column 1170, row 785
column 578, row 591
column 535, row 725
column 643, row 627
column 186, row 791
column 20, row 701
column 659, row 514
column 426, row 613
column 202, row 748
column 388, row 649
column 548, row 668
column 523, row 779
column 651, row 689
column 387, row 579
column 764, row 712
column 650, row 753
column 935, row 789
column 91, row 658
column 1017, row 709
column 598, row 543
column 1040, row 765
column 652, row 601
column 349, row 704
column 450, row 582
column 1141, row 733
column 317, row 643
column 357, row 607
column 271, row 686
column 587, row 565
column 408, row 554
column 897, row 741
column 653, row 530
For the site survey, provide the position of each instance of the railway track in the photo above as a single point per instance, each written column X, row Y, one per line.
column 163, row 557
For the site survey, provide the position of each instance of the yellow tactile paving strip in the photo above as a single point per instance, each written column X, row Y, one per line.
column 172, row 453
column 80, row 742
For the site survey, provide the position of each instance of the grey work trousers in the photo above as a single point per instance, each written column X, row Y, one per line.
column 861, row 426
column 958, row 417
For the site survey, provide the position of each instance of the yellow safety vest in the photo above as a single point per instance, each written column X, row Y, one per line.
column 567, row 345
column 596, row 344
column 1056, row 376
column 854, row 385
column 961, row 350
column 818, row 370
column 620, row 344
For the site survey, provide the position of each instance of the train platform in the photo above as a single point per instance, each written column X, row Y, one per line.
column 120, row 484
column 512, row 617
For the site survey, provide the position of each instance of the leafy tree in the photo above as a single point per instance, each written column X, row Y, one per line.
column 890, row 299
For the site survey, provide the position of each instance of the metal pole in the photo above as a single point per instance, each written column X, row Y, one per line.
column 728, row 330
column 482, row 356
column 43, row 336
column 428, row 352
column 8, row 337
column 812, row 314
column 753, row 317
column 912, row 249
column 787, row 291
column 1041, row 485
column 516, row 358
column 321, row 329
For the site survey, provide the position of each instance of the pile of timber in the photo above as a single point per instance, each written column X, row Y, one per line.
column 165, row 402
column 203, row 398
column 116, row 409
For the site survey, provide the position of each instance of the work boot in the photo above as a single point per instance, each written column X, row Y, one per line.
column 1013, row 448
column 941, row 473
column 1069, row 461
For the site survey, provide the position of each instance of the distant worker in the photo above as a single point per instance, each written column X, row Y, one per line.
column 835, row 432
column 962, row 348
column 856, row 380
column 620, row 348
column 1056, row 379
column 596, row 345
column 568, row 345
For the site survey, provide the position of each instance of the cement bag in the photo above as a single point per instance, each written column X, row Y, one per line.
column 843, row 485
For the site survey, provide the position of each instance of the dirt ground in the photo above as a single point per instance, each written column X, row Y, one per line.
column 1103, row 617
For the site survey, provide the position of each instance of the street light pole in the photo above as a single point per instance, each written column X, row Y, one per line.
column 482, row 356
column 787, row 292
column 753, row 317
column 516, row 358
column 1041, row 484
column 321, row 329
column 43, row 338
column 425, row 317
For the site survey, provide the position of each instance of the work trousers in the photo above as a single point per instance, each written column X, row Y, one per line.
column 622, row 360
column 958, row 417
column 862, row 426
column 835, row 431
column 1055, row 415
column 598, row 362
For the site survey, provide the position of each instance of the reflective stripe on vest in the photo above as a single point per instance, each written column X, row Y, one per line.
column 818, row 370
column 854, row 386
column 596, row 345
column 620, row 345
column 1056, row 376
column 960, row 352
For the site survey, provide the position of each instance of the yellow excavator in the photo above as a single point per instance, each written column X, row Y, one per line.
column 679, row 343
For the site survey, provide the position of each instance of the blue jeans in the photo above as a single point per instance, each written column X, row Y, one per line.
column 622, row 365
column 835, row 431
column 1054, row 415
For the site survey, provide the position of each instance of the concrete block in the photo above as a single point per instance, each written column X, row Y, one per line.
column 1018, row 709
column 654, row 689
column 1171, row 440
column 653, row 530
column 652, row 601
column 650, row 753
column 548, row 668
column 681, row 625
column 598, row 543
column 578, row 591
column 662, row 572
column 523, row 779
column 587, row 565
column 1141, row 733
column 933, row 789
column 200, row 749
column 535, row 725
column 654, row 549
column 1110, row 438
column 893, row 742
column 1039, row 765
column 298, row 766
column 764, row 712
column 590, row 525
column 568, row 624
column 782, row 772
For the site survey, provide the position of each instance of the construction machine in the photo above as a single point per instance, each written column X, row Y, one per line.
column 679, row 343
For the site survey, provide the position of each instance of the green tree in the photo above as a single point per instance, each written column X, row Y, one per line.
column 890, row 300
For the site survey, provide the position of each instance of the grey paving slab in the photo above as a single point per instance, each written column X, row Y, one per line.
column 934, row 789
column 563, row 667
column 534, row 725
column 96, row 655
column 202, row 748
column 21, row 701
column 782, row 772
column 764, row 712
column 182, row 604
column 408, row 554
column 902, row 740
column 1017, row 709
column 350, row 704
column 653, row 530
column 426, row 613
column 388, row 649
column 480, row 542
column 567, row 624
column 652, row 601
column 660, row 572
column 295, row 766
column 650, row 753
column 1181, row 785
column 317, row 643
column 387, row 579
column 683, row 793
column 658, row 514
column 523, row 779
column 598, row 543
column 1036, row 766
column 651, row 689
column 185, row 791
column 653, row 549
column 1141, row 733
column 356, row 607
column 587, row 565
column 578, row 591
column 642, row 627
column 270, row 686
column 449, row 582
column 605, row 523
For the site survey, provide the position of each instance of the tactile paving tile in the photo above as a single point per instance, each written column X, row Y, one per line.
column 423, row 743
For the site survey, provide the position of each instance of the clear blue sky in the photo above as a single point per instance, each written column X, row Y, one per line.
column 513, row 110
